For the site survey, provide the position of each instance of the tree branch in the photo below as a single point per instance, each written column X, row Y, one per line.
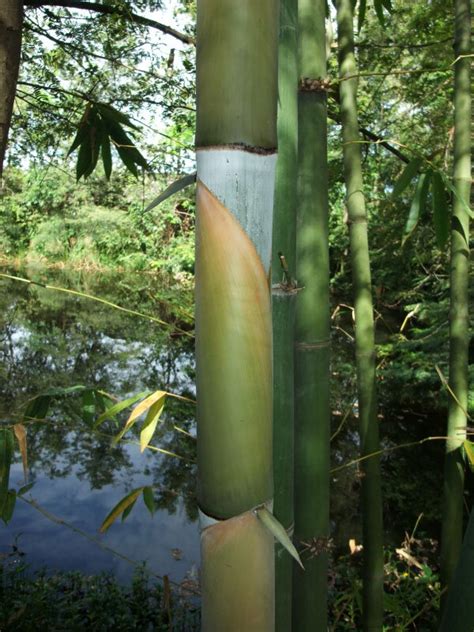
column 106, row 9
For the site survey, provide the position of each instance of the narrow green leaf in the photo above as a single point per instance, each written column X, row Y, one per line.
column 469, row 452
column 418, row 204
column 174, row 187
column 379, row 11
column 9, row 506
column 406, row 177
column 149, row 499
column 126, row 155
column 388, row 5
column 114, row 410
column 88, row 406
column 452, row 188
column 84, row 157
column 126, row 148
column 151, row 421
column 109, row 112
column 81, row 130
column 38, row 407
column 361, row 16
column 106, row 156
column 120, row 508
column 128, row 510
column 440, row 210
column 278, row 532
column 25, row 489
column 7, row 446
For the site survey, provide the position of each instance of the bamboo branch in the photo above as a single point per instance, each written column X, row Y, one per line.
column 106, row 9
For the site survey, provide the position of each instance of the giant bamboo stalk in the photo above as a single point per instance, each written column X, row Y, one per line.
column 452, row 522
column 312, row 328
column 236, row 156
column 11, row 21
column 364, row 326
column 283, row 301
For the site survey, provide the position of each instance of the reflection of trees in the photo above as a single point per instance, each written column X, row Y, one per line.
column 50, row 340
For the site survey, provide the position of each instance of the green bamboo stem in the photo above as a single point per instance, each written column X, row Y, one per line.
column 364, row 327
column 312, row 328
column 452, row 522
column 11, row 22
column 236, row 156
column 283, row 301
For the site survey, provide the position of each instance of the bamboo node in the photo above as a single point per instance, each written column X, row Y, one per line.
column 307, row 84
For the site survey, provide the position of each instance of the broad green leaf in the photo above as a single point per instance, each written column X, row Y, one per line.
column 406, row 177
column 38, row 407
column 361, row 16
column 20, row 434
column 149, row 499
column 278, row 532
column 119, row 508
column 7, row 446
column 469, row 452
column 379, row 11
column 88, row 406
column 9, row 506
column 452, row 188
column 138, row 411
column 440, row 209
column 128, row 510
column 25, row 489
column 174, row 187
column 417, row 205
column 151, row 421
column 114, row 410
column 109, row 112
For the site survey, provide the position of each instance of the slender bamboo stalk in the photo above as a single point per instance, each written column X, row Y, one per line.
column 283, row 301
column 452, row 522
column 364, row 327
column 11, row 21
column 312, row 328
column 236, row 155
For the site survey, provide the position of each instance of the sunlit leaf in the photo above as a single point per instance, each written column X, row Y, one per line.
column 469, row 452
column 149, row 499
column 406, row 177
column 114, row 410
column 138, row 411
column 278, row 532
column 128, row 510
column 120, row 507
column 151, row 421
column 20, row 434
column 174, row 187
column 440, row 210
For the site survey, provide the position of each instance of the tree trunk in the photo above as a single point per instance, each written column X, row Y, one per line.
column 312, row 328
column 364, row 327
column 236, row 156
column 11, row 22
column 451, row 536
column 283, row 301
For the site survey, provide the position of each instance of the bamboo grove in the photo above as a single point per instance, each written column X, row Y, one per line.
column 267, row 83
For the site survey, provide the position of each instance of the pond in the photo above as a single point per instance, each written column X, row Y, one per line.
column 51, row 341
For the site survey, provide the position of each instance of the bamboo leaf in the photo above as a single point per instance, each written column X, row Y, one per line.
column 151, row 421
column 110, row 113
column 88, row 406
column 452, row 188
column 278, row 532
column 174, row 187
column 128, row 510
column 440, row 210
column 379, row 11
column 149, row 499
column 388, row 5
column 114, row 410
column 406, row 177
column 81, row 130
column 38, row 407
column 20, row 434
column 418, row 205
column 25, row 489
column 6, row 455
column 9, row 506
column 469, row 452
column 106, row 156
column 361, row 16
column 138, row 411
column 119, row 508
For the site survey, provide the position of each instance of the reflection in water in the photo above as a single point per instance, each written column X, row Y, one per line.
column 51, row 341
